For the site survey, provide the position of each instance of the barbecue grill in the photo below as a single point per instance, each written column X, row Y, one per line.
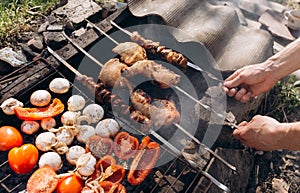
column 177, row 175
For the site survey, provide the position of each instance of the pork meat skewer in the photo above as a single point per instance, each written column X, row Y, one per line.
column 137, row 115
column 108, row 96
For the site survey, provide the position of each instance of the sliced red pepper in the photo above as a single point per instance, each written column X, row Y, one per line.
column 115, row 173
column 125, row 145
column 144, row 161
column 110, row 187
column 34, row 114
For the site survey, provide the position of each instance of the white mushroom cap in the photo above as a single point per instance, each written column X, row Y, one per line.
column 76, row 103
column 107, row 128
column 94, row 111
column 65, row 135
column 69, row 118
column 30, row 127
column 45, row 141
column 9, row 104
column 84, row 133
column 74, row 153
column 51, row 159
column 59, row 85
column 40, row 98
column 86, row 164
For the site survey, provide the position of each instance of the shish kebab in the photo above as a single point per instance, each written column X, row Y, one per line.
column 171, row 57
column 175, row 124
column 105, row 96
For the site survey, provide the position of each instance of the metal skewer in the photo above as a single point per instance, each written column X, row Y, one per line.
column 192, row 98
column 156, row 135
column 189, row 64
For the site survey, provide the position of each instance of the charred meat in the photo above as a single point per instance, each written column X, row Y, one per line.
column 110, row 74
column 152, row 70
column 161, row 112
column 130, row 52
column 154, row 47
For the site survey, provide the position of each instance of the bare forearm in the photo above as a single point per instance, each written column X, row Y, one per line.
column 286, row 61
column 291, row 139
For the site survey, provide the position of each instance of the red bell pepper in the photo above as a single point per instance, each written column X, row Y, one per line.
column 144, row 161
column 125, row 145
column 34, row 114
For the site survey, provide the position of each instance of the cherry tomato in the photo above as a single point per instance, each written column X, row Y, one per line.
column 110, row 187
column 70, row 184
column 143, row 162
column 43, row 180
column 34, row 114
column 23, row 159
column 9, row 137
column 125, row 145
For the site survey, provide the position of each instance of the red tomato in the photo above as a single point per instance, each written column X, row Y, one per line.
column 43, row 180
column 143, row 162
column 70, row 184
column 110, row 187
column 125, row 145
column 23, row 159
column 9, row 137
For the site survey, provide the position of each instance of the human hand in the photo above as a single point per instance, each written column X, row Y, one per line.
column 251, row 80
column 262, row 133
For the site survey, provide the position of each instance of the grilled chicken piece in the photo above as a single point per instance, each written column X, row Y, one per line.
column 161, row 112
column 110, row 74
column 130, row 52
column 152, row 70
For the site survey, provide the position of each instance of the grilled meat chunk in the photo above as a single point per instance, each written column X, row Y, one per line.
column 110, row 74
column 167, row 54
column 130, row 52
column 152, row 70
column 160, row 112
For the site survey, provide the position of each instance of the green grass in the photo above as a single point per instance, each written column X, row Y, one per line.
column 14, row 14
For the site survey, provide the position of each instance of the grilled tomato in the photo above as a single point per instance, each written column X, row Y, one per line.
column 9, row 137
column 70, row 184
column 125, row 145
column 23, row 159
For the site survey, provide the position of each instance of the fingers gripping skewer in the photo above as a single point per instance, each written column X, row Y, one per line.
column 157, row 136
column 189, row 96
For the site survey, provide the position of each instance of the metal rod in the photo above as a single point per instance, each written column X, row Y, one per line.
column 64, row 62
column 193, row 164
column 180, row 90
column 82, row 50
column 156, row 135
column 101, row 31
column 205, row 147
